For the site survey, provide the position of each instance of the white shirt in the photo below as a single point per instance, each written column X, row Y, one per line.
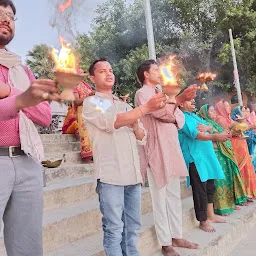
column 115, row 151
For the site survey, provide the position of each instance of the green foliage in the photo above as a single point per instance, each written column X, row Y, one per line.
column 40, row 61
column 196, row 31
column 84, row 50
column 241, row 17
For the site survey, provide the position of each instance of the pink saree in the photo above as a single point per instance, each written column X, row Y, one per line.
column 240, row 150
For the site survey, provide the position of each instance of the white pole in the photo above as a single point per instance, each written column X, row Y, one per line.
column 150, row 32
column 236, row 75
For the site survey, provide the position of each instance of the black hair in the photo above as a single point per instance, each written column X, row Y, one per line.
column 144, row 66
column 92, row 66
column 6, row 3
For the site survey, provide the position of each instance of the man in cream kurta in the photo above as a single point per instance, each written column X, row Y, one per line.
column 116, row 156
column 163, row 161
column 114, row 131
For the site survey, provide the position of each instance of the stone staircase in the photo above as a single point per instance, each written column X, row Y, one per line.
column 72, row 220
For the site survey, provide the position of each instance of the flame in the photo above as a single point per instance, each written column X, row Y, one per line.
column 63, row 7
column 206, row 77
column 65, row 61
column 169, row 72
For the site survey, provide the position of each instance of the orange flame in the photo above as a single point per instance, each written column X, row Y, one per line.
column 63, row 7
column 65, row 61
column 169, row 72
column 206, row 77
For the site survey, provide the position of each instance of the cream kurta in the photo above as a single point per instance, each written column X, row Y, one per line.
column 115, row 151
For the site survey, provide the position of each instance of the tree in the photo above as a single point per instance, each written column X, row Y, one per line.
column 196, row 31
column 84, row 49
column 241, row 18
column 126, row 68
column 114, row 31
column 40, row 61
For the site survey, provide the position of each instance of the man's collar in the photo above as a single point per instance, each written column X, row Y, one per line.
column 145, row 85
column 104, row 95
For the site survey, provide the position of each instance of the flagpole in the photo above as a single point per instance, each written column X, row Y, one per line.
column 150, row 31
column 236, row 74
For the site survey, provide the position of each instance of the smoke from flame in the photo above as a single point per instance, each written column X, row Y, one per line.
column 65, row 60
column 63, row 7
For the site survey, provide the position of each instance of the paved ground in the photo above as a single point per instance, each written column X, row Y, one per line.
column 247, row 247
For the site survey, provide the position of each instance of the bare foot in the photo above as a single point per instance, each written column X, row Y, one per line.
column 250, row 200
column 237, row 208
column 244, row 204
column 217, row 219
column 206, row 226
column 169, row 251
column 184, row 244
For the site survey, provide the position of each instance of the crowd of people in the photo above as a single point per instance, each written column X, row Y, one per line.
column 175, row 141
column 159, row 138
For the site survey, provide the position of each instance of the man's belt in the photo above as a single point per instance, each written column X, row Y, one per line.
column 11, row 151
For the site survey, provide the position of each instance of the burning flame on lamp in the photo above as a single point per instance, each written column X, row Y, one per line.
column 63, row 7
column 168, row 72
column 65, row 61
column 66, row 72
column 204, row 78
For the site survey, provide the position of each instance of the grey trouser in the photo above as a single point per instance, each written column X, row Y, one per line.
column 21, row 205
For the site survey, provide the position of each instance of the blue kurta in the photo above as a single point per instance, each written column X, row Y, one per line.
column 251, row 142
column 197, row 151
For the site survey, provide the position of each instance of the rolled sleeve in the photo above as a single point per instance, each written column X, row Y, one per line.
column 190, row 129
column 142, row 142
column 180, row 118
column 104, row 119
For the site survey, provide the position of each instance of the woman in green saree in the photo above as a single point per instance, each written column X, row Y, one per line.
column 230, row 191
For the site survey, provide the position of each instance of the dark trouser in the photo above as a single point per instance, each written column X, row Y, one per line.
column 202, row 193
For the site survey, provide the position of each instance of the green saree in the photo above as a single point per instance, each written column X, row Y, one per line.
column 229, row 191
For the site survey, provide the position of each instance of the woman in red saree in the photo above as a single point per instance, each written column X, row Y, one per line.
column 240, row 149
column 74, row 123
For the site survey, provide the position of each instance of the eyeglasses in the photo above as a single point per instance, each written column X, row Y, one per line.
column 11, row 16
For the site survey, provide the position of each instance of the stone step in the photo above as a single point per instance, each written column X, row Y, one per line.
column 70, row 157
column 68, row 171
column 58, row 138
column 59, row 147
column 69, row 224
column 67, row 192
column 228, row 235
column 247, row 246
column 92, row 245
